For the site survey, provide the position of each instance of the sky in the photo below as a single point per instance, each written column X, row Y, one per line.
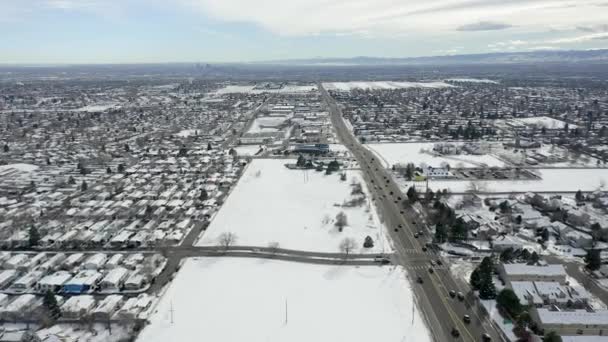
column 158, row 31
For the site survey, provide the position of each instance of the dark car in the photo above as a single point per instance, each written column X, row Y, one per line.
column 460, row 296
column 431, row 270
column 413, row 222
column 419, row 280
column 416, row 235
column 452, row 293
column 455, row 333
column 486, row 337
column 439, row 262
column 400, row 226
column 424, row 249
column 466, row 319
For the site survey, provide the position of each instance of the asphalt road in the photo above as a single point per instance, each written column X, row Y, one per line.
column 441, row 312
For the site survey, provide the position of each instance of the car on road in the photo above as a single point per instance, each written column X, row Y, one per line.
column 396, row 229
column 486, row 337
column 382, row 259
column 399, row 199
column 455, row 333
column 401, row 212
column 452, row 293
column 400, row 226
column 432, row 263
column 419, row 280
column 416, row 235
column 431, row 270
column 460, row 296
column 414, row 222
column 466, row 319
column 420, row 232
column 392, row 193
column 424, row 249
column 439, row 262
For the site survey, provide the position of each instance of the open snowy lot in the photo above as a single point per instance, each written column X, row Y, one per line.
column 553, row 180
column 540, row 121
column 241, row 299
column 295, row 208
column 248, row 150
column 348, row 86
column 249, row 89
column 267, row 124
column 419, row 153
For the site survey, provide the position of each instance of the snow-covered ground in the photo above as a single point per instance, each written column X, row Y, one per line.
column 97, row 333
column 187, row 132
column 540, row 121
column 471, row 80
column 233, row 299
column 567, row 180
column 295, row 208
column 19, row 167
column 98, row 107
column 348, row 86
column 266, row 124
column 249, row 89
column 248, row 150
column 506, row 327
column 419, row 153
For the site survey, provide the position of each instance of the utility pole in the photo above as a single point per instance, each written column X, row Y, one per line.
column 285, row 311
column 171, row 311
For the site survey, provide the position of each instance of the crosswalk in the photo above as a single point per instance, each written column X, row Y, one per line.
column 418, row 252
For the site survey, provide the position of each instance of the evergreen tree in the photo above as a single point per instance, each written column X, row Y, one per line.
column 458, row 231
column 534, row 258
column 412, row 194
column 301, row 161
column 71, row 180
column 508, row 300
column 84, row 186
column 121, row 168
column 475, row 279
column 552, row 336
column 593, row 260
column 127, row 148
column 108, row 170
column 441, row 233
column 51, row 305
column 204, row 195
column 209, row 148
column 34, row 236
column 579, row 196
column 506, row 255
column 369, row 242
column 6, row 148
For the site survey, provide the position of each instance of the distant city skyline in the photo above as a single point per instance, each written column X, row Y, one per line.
column 156, row 31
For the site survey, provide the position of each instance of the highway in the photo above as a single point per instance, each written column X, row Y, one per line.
column 442, row 312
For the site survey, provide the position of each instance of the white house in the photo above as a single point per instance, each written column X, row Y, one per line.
column 114, row 279
column 96, row 261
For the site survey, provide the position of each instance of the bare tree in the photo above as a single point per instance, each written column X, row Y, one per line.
column 347, row 245
column 226, row 239
column 341, row 221
column 476, row 187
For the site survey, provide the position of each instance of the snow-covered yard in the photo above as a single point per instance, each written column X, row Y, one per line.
column 232, row 299
column 18, row 167
column 348, row 86
column 419, row 153
column 567, row 180
column 267, row 124
column 295, row 208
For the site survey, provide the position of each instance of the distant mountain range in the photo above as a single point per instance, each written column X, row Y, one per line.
column 556, row 56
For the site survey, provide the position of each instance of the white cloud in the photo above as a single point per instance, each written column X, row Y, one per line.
column 402, row 17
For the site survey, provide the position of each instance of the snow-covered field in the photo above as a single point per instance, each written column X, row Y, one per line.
column 187, row 132
column 233, row 299
column 541, row 121
column 391, row 154
column 295, row 208
column 567, row 180
column 472, row 80
column 249, row 89
column 348, row 86
column 98, row 108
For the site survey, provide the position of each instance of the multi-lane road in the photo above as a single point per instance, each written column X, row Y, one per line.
column 442, row 312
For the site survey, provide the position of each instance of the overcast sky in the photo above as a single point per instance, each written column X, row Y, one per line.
column 141, row 31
